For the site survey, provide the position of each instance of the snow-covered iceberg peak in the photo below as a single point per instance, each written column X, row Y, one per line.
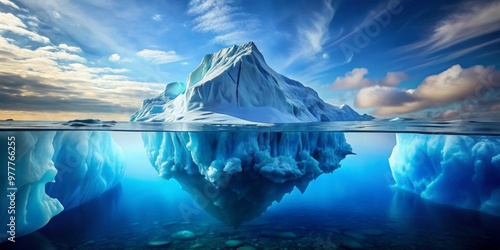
column 236, row 85
column 217, row 63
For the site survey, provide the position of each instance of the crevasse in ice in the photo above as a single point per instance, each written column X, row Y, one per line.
column 461, row 171
column 56, row 171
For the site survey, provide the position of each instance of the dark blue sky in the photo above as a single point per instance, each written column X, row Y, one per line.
column 426, row 59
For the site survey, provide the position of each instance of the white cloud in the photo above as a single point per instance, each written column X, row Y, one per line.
column 354, row 79
column 11, row 23
column 10, row 4
column 60, row 52
column 158, row 56
column 73, row 49
column 184, row 63
column 114, row 58
column 394, row 78
column 312, row 32
column 157, row 17
column 454, row 86
column 115, row 77
column 56, row 14
column 229, row 24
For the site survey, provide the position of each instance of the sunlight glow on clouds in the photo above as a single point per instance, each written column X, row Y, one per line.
column 455, row 85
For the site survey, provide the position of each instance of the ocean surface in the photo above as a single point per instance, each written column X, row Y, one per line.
column 354, row 207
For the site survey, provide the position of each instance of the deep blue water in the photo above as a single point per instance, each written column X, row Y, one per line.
column 353, row 207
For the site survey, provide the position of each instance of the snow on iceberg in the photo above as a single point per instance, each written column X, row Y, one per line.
column 236, row 85
column 56, row 171
column 463, row 171
column 235, row 176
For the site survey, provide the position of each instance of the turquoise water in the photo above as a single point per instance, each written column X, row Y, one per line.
column 355, row 207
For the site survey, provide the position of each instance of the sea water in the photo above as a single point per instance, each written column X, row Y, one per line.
column 355, row 207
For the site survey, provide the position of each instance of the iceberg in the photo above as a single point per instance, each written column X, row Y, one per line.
column 235, row 176
column 56, row 171
column 87, row 163
column 461, row 171
column 33, row 169
column 235, row 85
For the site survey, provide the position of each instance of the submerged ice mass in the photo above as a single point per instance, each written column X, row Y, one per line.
column 87, row 163
column 56, row 171
column 235, row 176
column 461, row 171
column 33, row 169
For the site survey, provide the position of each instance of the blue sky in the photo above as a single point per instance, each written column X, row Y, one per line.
column 62, row 59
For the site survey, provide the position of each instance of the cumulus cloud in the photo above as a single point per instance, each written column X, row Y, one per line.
column 12, row 24
column 394, row 78
column 68, row 48
column 455, row 85
column 354, row 79
column 376, row 96
column 158, row 56
column 114, row 58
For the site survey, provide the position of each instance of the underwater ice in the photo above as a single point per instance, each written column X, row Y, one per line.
column 76, row 166
column 462, row 171
column 235, row 176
